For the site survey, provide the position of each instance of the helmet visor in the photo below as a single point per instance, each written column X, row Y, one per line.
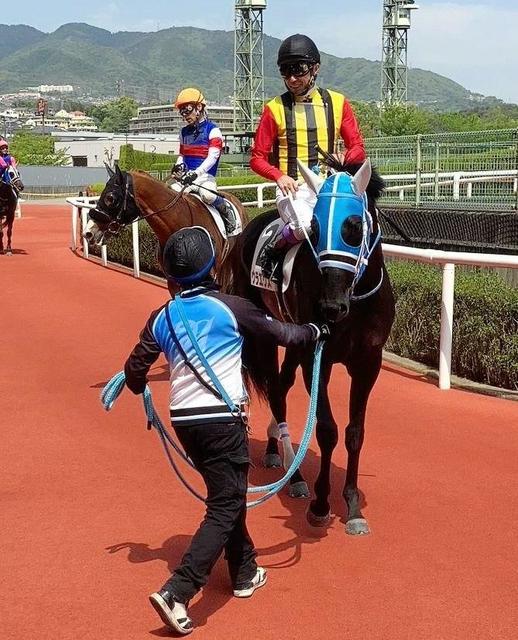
column 295, row 69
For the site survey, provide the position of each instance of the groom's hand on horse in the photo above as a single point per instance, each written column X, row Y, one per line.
column 189, row 177
column 322, row 331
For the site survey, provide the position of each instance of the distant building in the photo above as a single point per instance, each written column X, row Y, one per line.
column 55, row 88
column 164, row 118
column 93, row 149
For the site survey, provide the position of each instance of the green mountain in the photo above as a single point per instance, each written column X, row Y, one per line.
column 153, row 66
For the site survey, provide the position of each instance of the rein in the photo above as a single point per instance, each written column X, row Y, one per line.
column 115, row 226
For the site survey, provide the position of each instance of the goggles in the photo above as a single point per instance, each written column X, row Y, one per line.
column 187, row 109
column 295, row 69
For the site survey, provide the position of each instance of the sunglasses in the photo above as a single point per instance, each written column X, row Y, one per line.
column 187, row 109
column 295, row 69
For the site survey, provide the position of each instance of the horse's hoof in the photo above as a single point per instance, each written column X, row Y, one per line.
column 318, row 521
column 299, row 489
column 357, row 527
column 272, row 460
column 8, row 252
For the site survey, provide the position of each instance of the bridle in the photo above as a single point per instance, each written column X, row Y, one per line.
column 115, row 225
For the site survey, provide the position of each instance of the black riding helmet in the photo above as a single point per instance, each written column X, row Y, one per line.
column 188, row 256
column 298, row 48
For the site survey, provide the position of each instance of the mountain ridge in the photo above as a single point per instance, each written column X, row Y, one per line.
column 153, row 66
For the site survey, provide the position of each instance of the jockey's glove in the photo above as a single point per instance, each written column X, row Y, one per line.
column 177, row 171
column 322, row 331
column 189, row 177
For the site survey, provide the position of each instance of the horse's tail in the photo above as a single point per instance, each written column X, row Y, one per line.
column 260, row 366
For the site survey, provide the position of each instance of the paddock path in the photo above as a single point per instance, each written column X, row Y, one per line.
column 92, row 518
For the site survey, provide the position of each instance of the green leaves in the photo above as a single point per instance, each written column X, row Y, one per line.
column 29, row 148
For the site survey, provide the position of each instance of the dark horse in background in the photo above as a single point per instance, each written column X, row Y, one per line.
column 135, row 195
column 341, row 281
column 10, row 187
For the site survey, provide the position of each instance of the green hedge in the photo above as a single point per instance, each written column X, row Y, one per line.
column 130, row 158
column 485, row 347
column 485, row 332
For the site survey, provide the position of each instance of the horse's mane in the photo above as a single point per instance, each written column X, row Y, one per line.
column 376, row 183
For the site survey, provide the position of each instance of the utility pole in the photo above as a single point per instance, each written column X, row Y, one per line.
column 248, row 64
column 396, row 23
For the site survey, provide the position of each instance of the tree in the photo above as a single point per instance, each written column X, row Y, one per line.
column 368, row 117
column 115, row 115
column 30, row 148
column 399, row 120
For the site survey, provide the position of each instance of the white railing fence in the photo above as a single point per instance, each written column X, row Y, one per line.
column 448, row 260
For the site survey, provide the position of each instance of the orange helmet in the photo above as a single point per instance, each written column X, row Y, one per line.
column 190, row 95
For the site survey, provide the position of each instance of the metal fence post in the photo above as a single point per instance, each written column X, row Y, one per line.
column 456, row 185
column 136, row 249
column 104, row 255
column 73, row 237
column 437, row 167
column 445, row 347
column 418, row 163
column 260, row 196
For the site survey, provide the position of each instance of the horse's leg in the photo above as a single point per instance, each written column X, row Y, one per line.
column 363, row 369
column 278, row 427
column 327, row 438
column 10, row 223
column 277, row 399
column 1, row 237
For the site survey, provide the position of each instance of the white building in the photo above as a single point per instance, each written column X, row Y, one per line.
column 93, row 149
column 55, row 88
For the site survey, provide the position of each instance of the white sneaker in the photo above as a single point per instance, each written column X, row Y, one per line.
column 248, row 588
column 172, row 613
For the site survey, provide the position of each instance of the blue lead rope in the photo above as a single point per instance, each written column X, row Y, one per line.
column 115, row 386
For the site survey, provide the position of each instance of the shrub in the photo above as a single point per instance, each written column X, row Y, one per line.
column 485, row 331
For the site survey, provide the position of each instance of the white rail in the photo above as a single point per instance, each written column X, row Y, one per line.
column 448, row 260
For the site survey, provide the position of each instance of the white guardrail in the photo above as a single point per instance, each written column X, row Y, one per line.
column 448, row 260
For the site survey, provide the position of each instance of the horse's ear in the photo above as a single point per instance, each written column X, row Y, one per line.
column 119, row 173
column 110, row 171
column 362, row 177
column 313, row 181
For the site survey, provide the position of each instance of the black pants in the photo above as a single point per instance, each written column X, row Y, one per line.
column 220, row 453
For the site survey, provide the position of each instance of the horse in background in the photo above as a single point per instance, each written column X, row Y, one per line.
column 135, row 195
column 10, row 186
column 340, row 280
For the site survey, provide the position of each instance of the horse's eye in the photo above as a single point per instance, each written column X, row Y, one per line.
column 109, row 200
column 315, row 231
column 352, row 231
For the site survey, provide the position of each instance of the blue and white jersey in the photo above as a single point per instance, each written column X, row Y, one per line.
column 216, row 331
column 200, row 147
column 220, row 323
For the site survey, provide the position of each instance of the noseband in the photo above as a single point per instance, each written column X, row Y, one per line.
column 114, row 226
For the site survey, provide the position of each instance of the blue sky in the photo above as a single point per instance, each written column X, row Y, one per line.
column 472, row 42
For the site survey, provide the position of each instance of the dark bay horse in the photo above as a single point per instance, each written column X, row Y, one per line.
column 8, row 198
column 342, row 280
column 135, row 195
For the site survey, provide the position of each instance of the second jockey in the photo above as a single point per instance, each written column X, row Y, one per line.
column 6, row 160
column 201, row 143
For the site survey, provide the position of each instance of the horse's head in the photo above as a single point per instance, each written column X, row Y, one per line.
column 115, row 209
column 15, row 180
column 345, row 232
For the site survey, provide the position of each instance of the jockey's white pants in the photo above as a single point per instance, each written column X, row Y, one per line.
column 205, row 180
column 297, row 210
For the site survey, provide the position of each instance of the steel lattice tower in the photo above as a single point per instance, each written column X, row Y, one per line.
column 396, row 23
column 248, row 64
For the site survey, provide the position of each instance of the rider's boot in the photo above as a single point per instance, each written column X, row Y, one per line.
column 270, row 259
column 227, row 214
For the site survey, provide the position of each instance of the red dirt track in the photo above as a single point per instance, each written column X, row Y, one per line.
column 93, row 518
